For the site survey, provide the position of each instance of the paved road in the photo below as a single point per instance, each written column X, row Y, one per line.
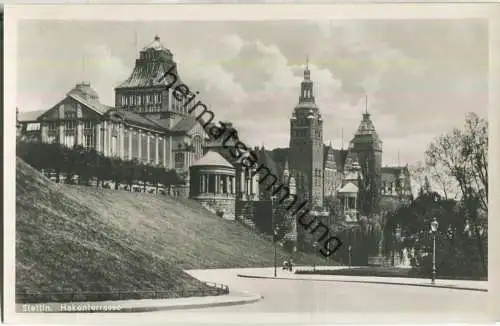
column 282, row 296
column 305, row 301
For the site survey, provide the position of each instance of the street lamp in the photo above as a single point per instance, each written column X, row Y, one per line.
column 315, row 245
column 349, row 248
column 434, row 227
column 275, row 242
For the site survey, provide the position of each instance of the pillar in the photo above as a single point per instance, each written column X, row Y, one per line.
column 233, row 184
column 122, row 141
column 61, row 124
column 165, row 163
column 110, row 137
column 79, row 124
column 105, row 139
column 148, row 147
column 157, row 147
column 130, row 132
column 242, row 181
column 98, row 128
column 255, row 184
column 45, row 132
column 202, row 183
column 139, row 147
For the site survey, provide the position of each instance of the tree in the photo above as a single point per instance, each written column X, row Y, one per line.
column 463, row 155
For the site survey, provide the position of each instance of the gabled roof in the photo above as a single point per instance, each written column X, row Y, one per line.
column 212, row 158
column 265, row 159
column 137, row 119
column 185, row 124
column 92, row 104
column 349, row 188
column 29, row 115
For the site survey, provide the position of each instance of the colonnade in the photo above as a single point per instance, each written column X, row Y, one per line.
column 217, row 183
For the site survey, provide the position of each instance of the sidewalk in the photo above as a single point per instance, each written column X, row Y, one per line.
column 449, row 284
column 143, row 305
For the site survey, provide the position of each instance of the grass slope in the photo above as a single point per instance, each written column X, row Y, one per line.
column 64, row 245
column 76, row 238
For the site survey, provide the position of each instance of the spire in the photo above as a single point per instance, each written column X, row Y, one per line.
column 342, row 139
column 286, row 173
column 307, row 73
column 366, row 104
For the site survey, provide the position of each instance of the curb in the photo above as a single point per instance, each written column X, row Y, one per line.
column 368, row 282
column 250, row 298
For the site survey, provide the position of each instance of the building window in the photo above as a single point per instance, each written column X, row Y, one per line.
column 113, row 145
column 87, row 124
column 52, row 126
column 33, row 127
column 88, row 140
column 179, row 160
column 70, row 125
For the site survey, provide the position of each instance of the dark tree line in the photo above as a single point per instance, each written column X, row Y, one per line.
column 88, row 164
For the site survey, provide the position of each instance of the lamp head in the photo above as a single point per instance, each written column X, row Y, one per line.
column 434, row 225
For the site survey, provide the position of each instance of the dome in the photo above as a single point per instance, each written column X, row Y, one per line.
column 85, row 91
column 213, row 159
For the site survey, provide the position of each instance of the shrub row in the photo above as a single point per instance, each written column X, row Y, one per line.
column 88, row 164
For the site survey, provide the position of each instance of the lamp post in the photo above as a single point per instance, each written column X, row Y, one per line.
column 275, row 233
column 349, row 248
column 434, row 227
column 315, row 245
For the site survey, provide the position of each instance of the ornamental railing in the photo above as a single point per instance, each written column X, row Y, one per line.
column 210, row 289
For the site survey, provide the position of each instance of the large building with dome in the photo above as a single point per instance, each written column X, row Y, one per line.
column 148, row 123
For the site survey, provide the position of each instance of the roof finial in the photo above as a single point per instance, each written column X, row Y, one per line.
column 366, row 103
column 399, row 162
column 157, row 38
column 307, row 62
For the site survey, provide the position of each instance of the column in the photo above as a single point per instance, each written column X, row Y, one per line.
column 110, row 137
column 98, row 127
column 228, row 184
column 216, row 179
column 139, row 148
column 157, row 147
column 45, row 131
column 105, row 138
column 61, row 124
column 79, row 124
column 148, row 147
column 130, row 132
column 207, row 183
column 233, row 184
column 122, row 141
column 202, row 183
column 242, row 182
column 165, row 152
column 255, row 185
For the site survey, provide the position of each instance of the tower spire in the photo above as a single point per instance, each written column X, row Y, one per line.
column 342, row 138
column 366, row 103
column 307, row 62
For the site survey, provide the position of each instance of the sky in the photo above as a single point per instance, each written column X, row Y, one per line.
column 420, row 76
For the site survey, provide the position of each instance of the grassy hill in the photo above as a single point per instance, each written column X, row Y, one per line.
column 77, row 238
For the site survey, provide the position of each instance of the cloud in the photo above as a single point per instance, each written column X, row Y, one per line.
column 421, row 76
column 107, row 71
